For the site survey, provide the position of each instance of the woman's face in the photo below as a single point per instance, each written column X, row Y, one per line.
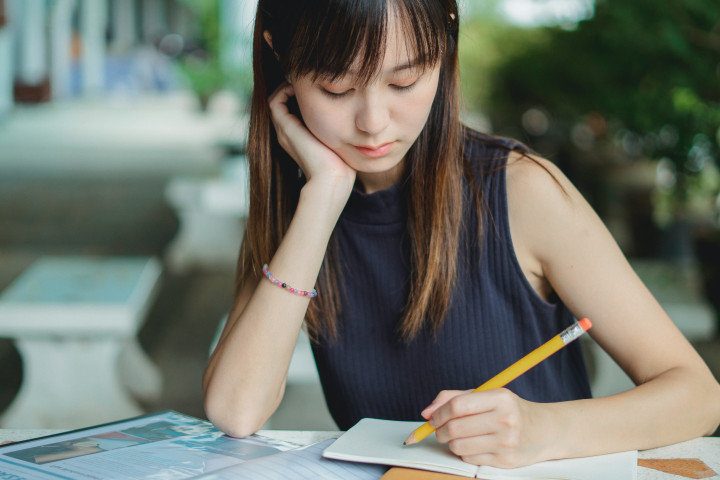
column 371, row 127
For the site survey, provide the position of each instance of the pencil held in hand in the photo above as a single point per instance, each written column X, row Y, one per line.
column 563, row 338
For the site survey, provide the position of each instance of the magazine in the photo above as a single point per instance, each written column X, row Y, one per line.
column 164, row 445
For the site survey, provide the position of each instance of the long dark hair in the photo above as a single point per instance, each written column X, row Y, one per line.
column 325, row 38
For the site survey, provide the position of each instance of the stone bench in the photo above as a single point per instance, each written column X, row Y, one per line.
column 75, row 321
column 212, row 213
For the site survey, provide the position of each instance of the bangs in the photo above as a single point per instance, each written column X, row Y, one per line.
column 333, row 37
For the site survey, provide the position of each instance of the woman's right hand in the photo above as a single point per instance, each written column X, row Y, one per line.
column 319, row 163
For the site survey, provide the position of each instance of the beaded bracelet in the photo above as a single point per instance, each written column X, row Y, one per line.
column 311, row 294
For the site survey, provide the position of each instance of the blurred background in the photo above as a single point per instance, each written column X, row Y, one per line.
column 123, row 125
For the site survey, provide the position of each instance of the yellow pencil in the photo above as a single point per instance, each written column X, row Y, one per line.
column 563, row 338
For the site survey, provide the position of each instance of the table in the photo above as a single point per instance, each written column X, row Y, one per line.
column 705, row 448
column 74, row 321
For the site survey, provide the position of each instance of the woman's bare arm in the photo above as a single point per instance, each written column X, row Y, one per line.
column 245, row 377
column 561, row 243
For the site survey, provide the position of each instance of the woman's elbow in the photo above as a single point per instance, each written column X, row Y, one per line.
column 233, row 421
column 714, row 404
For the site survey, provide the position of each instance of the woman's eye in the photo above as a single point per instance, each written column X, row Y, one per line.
column 402, row 86
column 335, row 95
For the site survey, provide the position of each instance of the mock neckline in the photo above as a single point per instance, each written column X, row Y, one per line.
column 378, row 208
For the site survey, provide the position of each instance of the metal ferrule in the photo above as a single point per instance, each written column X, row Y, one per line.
column 571, row 333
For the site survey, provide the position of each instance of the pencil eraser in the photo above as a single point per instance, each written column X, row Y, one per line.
column 585, row 324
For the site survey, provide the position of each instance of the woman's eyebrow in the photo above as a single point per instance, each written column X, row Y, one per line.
column 411, row 65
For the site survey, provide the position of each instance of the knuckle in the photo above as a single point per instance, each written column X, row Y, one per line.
column 442, row 396
column 455, row 447
column 512, row 421
column 456, row 407
column 453, row 429
column 504, row 394
column 510, row 441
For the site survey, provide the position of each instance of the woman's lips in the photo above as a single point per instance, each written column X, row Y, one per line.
column 375, row 152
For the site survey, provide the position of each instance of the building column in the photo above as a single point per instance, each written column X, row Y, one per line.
column 236, row 18
column 181, row 20
column 93, row 20
column 154, row 20
column 31, row 77
column 61, row 31
column 124, row 18
column 6, row 63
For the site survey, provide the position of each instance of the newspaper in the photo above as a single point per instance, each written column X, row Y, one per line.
column 160, row 446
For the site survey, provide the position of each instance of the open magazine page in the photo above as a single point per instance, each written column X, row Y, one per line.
column 166, row 445
column 299, row 464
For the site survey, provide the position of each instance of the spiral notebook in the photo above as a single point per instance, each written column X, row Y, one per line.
column 381, row 442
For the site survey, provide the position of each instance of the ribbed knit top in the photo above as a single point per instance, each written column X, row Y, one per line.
column 494, row 319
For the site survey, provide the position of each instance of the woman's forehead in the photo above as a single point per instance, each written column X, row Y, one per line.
column 364, row 43
column 399, row 55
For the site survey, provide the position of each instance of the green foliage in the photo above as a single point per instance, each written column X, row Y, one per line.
column 207, row 12
column 646, row 67
column 203, row 69
column 485, row 43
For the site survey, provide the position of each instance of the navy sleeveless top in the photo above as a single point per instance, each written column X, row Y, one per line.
column 495, row 316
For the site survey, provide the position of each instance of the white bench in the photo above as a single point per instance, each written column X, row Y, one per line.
column 74, row 321
column 212, row 213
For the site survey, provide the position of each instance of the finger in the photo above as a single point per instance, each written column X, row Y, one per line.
column 480, row 460
column 440, row 400
column 497, row 460
column 488, row 450
column 282, row 93
column 468, row 403
column 279, row 110
column 474, row 446
column 468, row 426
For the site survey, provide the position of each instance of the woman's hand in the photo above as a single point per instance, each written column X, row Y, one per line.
column 317, row 161
column 495, row 428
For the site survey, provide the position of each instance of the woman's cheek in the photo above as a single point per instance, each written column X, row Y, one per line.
column 321, row 122
column 328, row 129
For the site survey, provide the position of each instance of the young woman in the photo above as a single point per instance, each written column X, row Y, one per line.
column 440, row 256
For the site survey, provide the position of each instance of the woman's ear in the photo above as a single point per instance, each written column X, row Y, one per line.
column 268, row 38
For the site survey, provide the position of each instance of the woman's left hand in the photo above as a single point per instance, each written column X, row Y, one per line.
column 495, row 427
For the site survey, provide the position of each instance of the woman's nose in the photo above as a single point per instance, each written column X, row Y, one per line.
column 372, row 117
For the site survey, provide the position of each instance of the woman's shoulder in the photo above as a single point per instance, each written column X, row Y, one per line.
column 486, row 151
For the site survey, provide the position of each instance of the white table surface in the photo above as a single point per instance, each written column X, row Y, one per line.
column 705, row 448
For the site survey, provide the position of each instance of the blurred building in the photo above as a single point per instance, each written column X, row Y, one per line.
column 61, row 49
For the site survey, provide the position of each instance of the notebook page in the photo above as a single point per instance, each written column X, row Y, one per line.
column 299, row 464
column 616, row 466
column 380, row 441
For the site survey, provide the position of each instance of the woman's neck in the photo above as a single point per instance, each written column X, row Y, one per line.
column 371, row 182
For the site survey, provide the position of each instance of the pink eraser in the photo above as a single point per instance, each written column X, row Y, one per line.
column 585, row 324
